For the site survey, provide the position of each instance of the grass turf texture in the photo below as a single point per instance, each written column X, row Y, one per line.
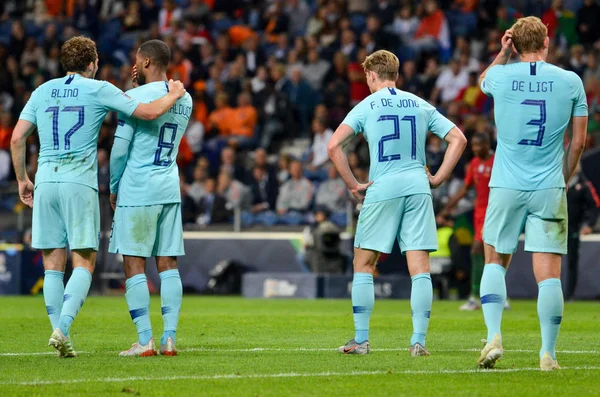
column 297, row 341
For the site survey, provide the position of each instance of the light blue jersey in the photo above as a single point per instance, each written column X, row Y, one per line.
column 533, row 105
column 151, row 175
column 69, row 112
column 395, row 124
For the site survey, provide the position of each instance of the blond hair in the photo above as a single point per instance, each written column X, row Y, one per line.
column 384, row 64
column 528, row 35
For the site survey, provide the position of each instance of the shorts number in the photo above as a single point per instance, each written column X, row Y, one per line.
column 396, row 135
column 540, row 123
column 80, row 121
column 165, row 144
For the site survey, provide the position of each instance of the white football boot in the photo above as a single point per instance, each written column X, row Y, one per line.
column 138, row 350
column 62, row 344
column 491, row 353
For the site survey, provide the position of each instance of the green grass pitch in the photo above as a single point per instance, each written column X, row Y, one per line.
column 237, row 347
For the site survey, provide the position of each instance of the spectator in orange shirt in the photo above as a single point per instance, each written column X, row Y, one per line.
column 185, row 157
column 168, row 17
column 6, row 129
column 243, row 121
column 219, row 119
column 433, row 31
column 200, row 105
column 276, row 22
column 181, row 66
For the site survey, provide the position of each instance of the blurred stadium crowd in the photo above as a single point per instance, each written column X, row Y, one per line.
column 271, row 80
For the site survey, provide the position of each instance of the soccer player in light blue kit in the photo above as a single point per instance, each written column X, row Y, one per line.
column 145, row 192
column 397, row 200
column 68, row 113
column 533, row 105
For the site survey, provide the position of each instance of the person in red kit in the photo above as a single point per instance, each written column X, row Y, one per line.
column 478, row 176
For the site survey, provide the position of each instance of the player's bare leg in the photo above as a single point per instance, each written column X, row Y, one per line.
column 137, row 296
column 363, row 300
column 493, row 296
column 171, row 295
column 421, row 298
column 76, row 290
column 546, row 268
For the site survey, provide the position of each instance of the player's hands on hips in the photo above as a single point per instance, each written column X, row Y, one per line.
column 434, row 181
column 134, row 77
column 26, row 192
column 177, row 88
column 360, row 190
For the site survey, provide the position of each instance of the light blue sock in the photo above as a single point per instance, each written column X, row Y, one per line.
column 76, row 291
column 550, row 307
column 171, row 295
column 137, row 296
column 421, row 297
column 493, row 296
column 363, row 300
column 54, row 289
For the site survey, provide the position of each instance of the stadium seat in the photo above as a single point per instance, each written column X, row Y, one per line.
column 358, row 22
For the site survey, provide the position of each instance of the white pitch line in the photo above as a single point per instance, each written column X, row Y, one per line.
column 300, row 349
column 282, row 375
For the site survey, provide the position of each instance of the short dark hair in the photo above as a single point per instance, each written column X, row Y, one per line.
column 77, row 53
column 158, row 51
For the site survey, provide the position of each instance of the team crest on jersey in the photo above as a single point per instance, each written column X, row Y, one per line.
column 481, row 168
column 125, row 95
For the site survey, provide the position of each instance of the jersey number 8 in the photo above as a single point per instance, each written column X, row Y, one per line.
column 165, row 144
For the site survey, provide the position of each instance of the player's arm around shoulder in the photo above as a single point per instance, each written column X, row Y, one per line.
column 155, row 109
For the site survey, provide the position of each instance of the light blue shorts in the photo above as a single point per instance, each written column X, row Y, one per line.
column 542, row 214
column 410, row 220
column 151, row 230
column 64, row 213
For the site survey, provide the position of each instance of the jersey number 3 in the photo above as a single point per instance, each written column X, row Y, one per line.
column 396, row 135
column 540, row 123
column 165, row 141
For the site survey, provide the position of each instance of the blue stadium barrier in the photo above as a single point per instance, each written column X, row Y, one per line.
column 32, row 29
